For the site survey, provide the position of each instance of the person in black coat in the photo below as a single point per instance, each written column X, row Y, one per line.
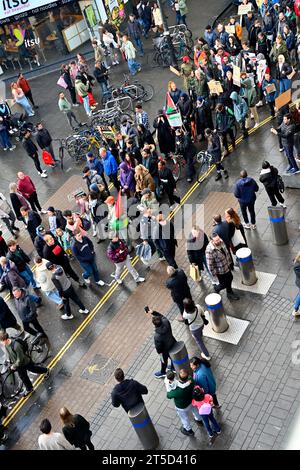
column 178, row 285
column 166, row 178
column 32, row 152
column 65, row 73
column 203, row 117
column 196, row 244
column 32, row 220
column 164, row 133
column 128, row 392
column 224, row 229
column 269, row 178
column 163, row 341
column 144, row 136
column 101, row 75
column 185, row 107
column 165, row 240
column 3, row 245
column 7, row 318
column 185, row 147
column 76, row 429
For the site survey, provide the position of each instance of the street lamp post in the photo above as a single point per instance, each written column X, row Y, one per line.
column 174, row 62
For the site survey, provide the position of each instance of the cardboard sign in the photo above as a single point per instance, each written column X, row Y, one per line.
column 244, row 9
column 283, row 99
column 271, row 88
column 236, row 75
column 215, row 87
column 172, row 69
column 230, row 29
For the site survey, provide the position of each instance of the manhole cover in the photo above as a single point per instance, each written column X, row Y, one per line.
column 99, row 369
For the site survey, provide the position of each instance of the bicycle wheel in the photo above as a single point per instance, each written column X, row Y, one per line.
column 61, row 157
column 148, row 92
column 12, row 385
column 84, row 148
column 39, row 352
column 123, row 101
column 153, row 60
column 72, row 144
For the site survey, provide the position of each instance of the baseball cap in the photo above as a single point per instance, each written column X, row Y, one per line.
column 109, row 200
column 50, row 265
column 90, row 154
column 50, row 209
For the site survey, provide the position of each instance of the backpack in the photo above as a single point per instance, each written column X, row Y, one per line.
column 22, row 342
column 86, row 223
column 280, row 184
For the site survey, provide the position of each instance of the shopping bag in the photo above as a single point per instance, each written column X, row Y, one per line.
column 61, row 82
column 47, row 158
column 195, row 273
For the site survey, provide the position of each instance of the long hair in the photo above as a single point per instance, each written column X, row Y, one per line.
column 66, row 417
column 234, row 216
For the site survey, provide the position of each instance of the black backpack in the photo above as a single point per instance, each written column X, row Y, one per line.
column 22, row 342
column 280, row 184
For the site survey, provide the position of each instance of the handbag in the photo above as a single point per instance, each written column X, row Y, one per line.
column 237, row 238
column 47, row 158
column 195, row 273
column 61, row 82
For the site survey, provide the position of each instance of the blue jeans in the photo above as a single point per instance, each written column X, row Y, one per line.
column 178, row 17
column 133, row 66
column 139, row 45
column 284, row 85
column 297, row 301
column 28, row 277
column 54, row 296
column 90, row 269
column 5, row 140
column 104, row 87
column 210, row 418
column 86, row 104
column 289, row 151
column 182, row 19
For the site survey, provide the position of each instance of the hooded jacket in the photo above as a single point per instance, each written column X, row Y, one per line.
column 163, row 336
column 43, row 277
column 248, row 92
column 43, row 138
column 203, row 377
column 60, row 280
column 83, row 251
column 128, row 394
column 268, row 177
column 95, row 164
column 178, row 285
column 11, row 277
column 127, row 176
column 117, row 252
column 109, row 163
column 33, row 222
column 26, row 307
column 240, row 107
column 19, row 257
column 245, row 190
column 81, row 88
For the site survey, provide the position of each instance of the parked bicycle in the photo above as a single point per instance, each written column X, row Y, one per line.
column 135, row 90
column 205, row 161
column 179, row 163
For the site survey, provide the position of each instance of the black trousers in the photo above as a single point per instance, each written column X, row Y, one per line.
column 22, row 371
column 225, row 281
column 71, row 294
column 37, row 327
column 36, row 162
column 275, row 196
column 88, row 444
column 172, row 197
column 271, row 106
column 164, row 362
column 225, row 141
column 105, row 182
column 250, row 208
column 30, row 97
column 70, row 115
column 10, row 222
column 69, row 270
column 114, row 179
column 72, row 92
column 34, row 202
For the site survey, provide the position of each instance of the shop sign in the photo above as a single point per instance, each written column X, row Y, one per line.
column 20, row 36
column 15, row 7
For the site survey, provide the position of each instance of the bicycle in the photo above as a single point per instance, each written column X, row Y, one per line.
column 180, row 28
column 134, row 90
column 205, row 161
column 61, row 151
column 111, row 116
column 161, row 56
column 179, row 162
column 78, row 145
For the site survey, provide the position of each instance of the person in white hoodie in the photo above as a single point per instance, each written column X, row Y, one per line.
column 43, row 277
column 50, row 440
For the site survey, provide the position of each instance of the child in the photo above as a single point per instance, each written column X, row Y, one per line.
column 64, row 238
column 204, row 403
column 171, row 383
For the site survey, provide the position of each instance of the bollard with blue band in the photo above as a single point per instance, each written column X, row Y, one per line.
column 247, row 269
column 143, row 426
column 180, row 357
column 217, row 315
column 278, row 225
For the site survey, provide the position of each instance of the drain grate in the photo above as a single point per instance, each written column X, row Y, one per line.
column 100, row 369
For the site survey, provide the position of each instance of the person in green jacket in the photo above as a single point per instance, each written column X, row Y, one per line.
column 65, row 107
column 82, row 90
column 248, row 92
column 183, row 395
column 182, row 10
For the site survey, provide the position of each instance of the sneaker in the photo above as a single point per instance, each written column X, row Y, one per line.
column 218, row 177
column 75, row 105
column 85, row 311
column 27, row 392
column 282, row 205
column 226, row 175
column 140, row 279
column 100, row 283
column 94, row 233
column 281, row 149
column 159, row 375
column 208, row 358
column 139, row 69
column 43, row 175
column 119, row 281
column 233, row 297
column 162, row 258
column 12, row 148
column 180, row 319
column 5, row 148
column 47, row 374
column 67, row 317
column 218, row 432
column 256, row 125
column 260, row 103
column 253, row 226
column 87, row 281
column 189, row 180
column 248, row 226
column 294, row 171
column 186, row 432
column 296, row 313
column 43, row 211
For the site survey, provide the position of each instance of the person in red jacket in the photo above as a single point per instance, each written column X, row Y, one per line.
column 297, row 13
column 117, row 252
column 27, row 188
column 24, row 85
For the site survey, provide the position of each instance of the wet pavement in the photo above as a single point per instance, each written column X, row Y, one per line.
column 257, row 382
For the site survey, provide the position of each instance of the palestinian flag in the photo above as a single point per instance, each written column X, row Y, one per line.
column 170, row 106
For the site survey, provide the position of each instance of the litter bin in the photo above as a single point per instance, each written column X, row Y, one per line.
column 180, row 358
column 246, row 265
column 143, row 426
column 216, row 312
column 278, row 225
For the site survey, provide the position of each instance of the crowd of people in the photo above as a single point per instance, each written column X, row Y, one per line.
column 135, row 165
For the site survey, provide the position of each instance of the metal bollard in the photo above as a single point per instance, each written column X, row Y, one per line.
column 216, row 313
column 246, row 265
column 180, row 358
column 278, row 226
column 143, row 426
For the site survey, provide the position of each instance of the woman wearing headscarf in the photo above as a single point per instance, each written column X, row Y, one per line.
column 127, row 180
column 164, row 133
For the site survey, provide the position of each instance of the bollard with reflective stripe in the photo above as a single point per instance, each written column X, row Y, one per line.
column 278, row 225
column 216, row 312
column 143, row 426
column 244, row 257
column 180, row 357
